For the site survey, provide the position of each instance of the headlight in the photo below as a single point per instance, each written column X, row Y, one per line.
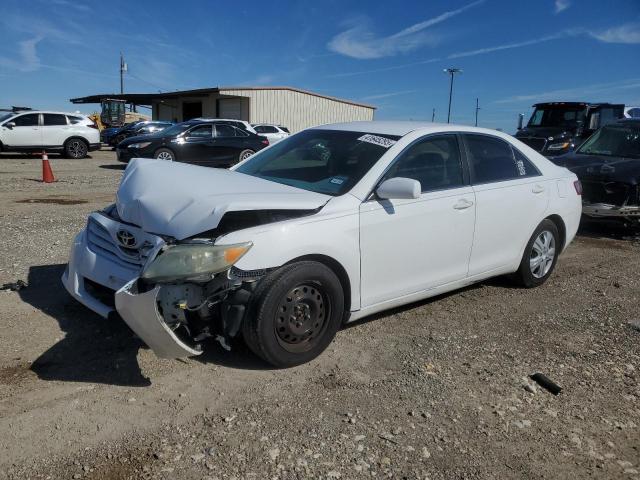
column 558, row 146
column 139, row 145
column 193, row 261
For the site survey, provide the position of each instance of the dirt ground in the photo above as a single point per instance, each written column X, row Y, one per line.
column 436, row 390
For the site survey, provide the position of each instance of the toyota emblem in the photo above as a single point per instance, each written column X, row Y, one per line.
column 126, row 238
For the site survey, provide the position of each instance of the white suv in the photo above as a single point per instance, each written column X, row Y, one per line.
column 274, row 133
column 29, row 131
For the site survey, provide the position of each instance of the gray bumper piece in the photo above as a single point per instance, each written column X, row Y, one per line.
column 141, row 314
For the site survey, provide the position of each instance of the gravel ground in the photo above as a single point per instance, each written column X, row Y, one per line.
column 436, row 390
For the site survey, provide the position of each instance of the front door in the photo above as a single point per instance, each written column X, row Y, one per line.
column 511, row 197
column 25, row 133
column 409, row 246
column 197, row 145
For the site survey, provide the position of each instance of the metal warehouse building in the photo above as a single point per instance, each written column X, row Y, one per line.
column 292, row 107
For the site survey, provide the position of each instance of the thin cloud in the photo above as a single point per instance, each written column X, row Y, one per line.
column 508, row 46
column 359, row 42
column 561, row 5
column 387, row 95
column 383, row 69
column 28, row 61
column 628, row 33
column 575, row 93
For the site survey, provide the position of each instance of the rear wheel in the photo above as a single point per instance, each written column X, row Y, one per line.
column 244, row 154
column 296, row 313
column 540, row 256
column 164, row 154
column 76, row 148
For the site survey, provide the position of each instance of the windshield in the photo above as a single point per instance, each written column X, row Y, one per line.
column 322, row 161
column 613, row 141
column 5, row 116
column 562, row 117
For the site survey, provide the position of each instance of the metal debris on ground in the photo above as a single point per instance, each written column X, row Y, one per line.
column 14, row 286
column 546, row 383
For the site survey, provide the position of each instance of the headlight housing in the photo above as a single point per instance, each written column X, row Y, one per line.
column 195, row 261
column 558, row 146
column 139, row 145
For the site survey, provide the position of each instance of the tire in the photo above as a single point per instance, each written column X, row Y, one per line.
column 165, row 154
column 76, row 148
column 540, row 256
column 244, row 154
column 295, row 314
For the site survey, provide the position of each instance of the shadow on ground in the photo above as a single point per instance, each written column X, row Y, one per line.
column 111, row 166
column 616, row 230
column 93, row 349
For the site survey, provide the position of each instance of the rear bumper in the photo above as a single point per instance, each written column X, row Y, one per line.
column 603, row 210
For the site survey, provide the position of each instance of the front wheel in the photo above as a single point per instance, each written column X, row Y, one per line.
column 75, row 148
column 164, row 154
column 295, row 315
column 540, row 256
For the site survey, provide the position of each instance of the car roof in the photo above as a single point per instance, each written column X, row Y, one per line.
column 204, row 119
column 20, row 112
column 402, row 128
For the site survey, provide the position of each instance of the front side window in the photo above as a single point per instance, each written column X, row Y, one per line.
column 433, row 161
column 323, row 161
column 28, row 120
column 494, row 160
column 49, row 119
column 201, row 131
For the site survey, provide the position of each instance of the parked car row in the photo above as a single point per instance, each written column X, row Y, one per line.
column 113, row 136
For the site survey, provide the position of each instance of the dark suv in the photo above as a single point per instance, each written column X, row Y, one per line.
column 199, row 142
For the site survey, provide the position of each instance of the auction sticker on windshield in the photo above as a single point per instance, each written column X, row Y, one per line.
column 376, row 140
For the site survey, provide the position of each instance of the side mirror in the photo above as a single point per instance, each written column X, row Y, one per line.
column 520, row 120
column 399, row 188
column 10, row 125
column 594, row 121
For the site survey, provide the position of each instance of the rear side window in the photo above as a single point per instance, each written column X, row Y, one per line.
column 433, row 161
column 28, row 120
column 494, row 160
column 225, row 131
column 284, row 129
column 49, row 119
column 74, row 120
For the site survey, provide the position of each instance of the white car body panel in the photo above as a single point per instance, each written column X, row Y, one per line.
column 392, row 251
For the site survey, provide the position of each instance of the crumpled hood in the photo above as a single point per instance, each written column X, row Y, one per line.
column 601, row 167
column 181, row 200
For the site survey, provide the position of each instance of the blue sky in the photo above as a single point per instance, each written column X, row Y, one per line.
column 389, row 54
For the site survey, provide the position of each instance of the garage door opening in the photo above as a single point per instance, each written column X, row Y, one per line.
column 191, row 110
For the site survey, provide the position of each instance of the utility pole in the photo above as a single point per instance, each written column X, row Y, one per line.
column 433, row 115
column 123, row 70
column 451, row 71
column 477, row 108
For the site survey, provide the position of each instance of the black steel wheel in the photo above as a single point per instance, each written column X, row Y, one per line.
column 295, row 314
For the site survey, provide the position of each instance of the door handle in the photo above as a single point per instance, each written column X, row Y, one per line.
column 537, row 189
column 463, row 204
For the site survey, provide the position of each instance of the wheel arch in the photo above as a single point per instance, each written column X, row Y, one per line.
column 76, row 137
column 337, row 268
column 562, row 229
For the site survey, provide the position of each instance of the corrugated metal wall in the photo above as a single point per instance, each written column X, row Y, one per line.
column 297, row 110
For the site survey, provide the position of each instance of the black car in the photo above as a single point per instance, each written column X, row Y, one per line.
column 199, row 142
column 608, row 166
column 138, row 128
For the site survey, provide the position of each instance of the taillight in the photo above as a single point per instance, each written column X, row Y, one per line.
column 578, row 186
column 265, row 142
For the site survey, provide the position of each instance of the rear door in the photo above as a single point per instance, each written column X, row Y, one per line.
column 55, row 129
column 25, row 133
column 511, row 197
column 229, row 142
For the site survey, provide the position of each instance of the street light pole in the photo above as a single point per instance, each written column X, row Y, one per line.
column 451, row 71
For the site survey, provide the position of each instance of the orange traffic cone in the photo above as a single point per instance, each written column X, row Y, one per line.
column 47, row 174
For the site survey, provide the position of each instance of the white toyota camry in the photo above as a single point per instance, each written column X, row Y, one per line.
column 325, row 227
